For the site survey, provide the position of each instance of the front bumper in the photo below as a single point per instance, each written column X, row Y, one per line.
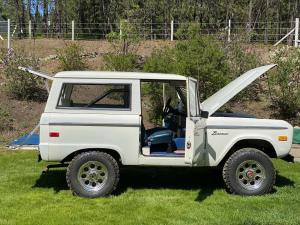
column 289, row 158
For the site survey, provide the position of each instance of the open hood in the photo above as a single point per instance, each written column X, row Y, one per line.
column 217, row 100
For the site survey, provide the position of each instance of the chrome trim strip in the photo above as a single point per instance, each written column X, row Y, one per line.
column 95, row 124
column 229, row 127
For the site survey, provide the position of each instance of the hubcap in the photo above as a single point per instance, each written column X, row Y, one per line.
column 92, row 175
column 250, row 174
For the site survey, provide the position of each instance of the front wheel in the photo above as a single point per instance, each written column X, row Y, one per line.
column 93, row 174
column 249, row 172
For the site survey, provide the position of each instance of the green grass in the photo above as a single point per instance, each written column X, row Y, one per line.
column 145, row 196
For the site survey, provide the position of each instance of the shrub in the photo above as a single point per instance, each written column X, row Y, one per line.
column 240, row 60
column 6, row 121
column 124, row 46
column 197, row 57
column 284, row 83
column 70, row 58
column 201, row 58
column 125, row 42
column 160, row 61
column 19, row 84
column 153, row 91
column 115, row 62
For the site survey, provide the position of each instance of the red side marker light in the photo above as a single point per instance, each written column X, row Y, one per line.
column 54, row 134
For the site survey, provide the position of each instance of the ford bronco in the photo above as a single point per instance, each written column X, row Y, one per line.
column 95, row 123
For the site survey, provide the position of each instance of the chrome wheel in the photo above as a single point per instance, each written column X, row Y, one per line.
column 92, row 175
column 250, row 175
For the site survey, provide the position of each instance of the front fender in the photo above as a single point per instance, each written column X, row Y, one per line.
column 221, row 148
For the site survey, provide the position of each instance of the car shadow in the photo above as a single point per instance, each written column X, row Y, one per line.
column 55, row 179
column 204, row 180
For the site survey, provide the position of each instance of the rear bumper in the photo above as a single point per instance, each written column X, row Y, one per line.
column 39, row 158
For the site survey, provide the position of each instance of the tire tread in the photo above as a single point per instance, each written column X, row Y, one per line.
column 84, row 154
column 235, row 156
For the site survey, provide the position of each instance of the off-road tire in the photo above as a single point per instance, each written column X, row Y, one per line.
column 102, row 158
column 232, row 175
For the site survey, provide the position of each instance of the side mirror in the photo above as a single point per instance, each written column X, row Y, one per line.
column 204, row 114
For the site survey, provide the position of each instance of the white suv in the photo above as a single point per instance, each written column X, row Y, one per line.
column 94, row 120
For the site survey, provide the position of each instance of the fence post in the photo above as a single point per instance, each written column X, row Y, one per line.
column 120, row 29
column 229, row 30
column 296, row 32
column 29, row 29
column 73, row 30
column 8, row 34
column 172, row 30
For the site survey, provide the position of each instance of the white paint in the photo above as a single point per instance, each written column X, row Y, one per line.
column 296, row 32
column 29, row 29
column 8, row 34
column 288, row 34
column 40, row 74
column 217, row 100
column 229, row 31
column 120, row 130
column 172, row 30
column 73, row 30
column 118, row 75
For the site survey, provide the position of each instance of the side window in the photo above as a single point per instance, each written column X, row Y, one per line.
column 193, row 98
column 102, row 96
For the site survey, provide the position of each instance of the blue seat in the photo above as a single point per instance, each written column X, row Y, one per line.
column 157, row 135
column 163, row 136
column 179, row 143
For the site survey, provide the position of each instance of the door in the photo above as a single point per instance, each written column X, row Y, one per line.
column 195, row 136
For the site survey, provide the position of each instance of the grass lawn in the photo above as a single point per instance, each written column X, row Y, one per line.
column 145, row 196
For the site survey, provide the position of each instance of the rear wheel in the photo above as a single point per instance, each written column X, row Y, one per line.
column 93, row 174
column 249, row 172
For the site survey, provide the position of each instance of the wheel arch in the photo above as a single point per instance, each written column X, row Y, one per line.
column 257, row 143
column 115, row 154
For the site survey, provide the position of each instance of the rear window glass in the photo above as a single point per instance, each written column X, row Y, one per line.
column 102, row 96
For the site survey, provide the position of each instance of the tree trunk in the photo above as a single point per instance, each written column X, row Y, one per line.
column 267, row 22
column 45, row 16
column 36, row 15
column 29, row 5
column 249, row 24
column 23, row 20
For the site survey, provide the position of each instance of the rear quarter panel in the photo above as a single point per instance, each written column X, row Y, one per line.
column 80, row 129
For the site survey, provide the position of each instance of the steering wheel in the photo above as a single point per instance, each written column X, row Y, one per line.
column 168, row 108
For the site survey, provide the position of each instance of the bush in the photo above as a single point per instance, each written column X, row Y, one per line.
column 115, row 62
column 197, row 57
column 19, row 84
column 127, row 41
column 240, row 61
column 201, row 58
column 70, row 58
column 124, row 46
column 6, row 121
column 284, row 83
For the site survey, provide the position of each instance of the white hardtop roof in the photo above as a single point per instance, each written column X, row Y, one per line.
column 118, row 75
